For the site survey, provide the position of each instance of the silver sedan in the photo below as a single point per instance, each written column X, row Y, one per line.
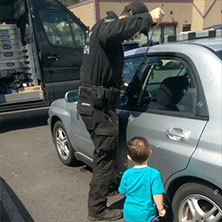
column 174, row 100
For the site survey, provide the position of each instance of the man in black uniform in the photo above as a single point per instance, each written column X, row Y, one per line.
column 99, row 91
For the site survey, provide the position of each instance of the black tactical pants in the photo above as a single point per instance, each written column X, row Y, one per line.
column 103, row 127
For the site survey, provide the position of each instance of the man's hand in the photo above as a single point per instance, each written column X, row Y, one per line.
column 162, row 212
column 157, row 15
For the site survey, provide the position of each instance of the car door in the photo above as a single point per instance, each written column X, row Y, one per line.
column 81, row 137
column 60, row 39
column 164, row 101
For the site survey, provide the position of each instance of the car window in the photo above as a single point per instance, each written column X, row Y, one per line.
column 57, row 28
column 219, row 54
column 130, row 67
column 164, row 83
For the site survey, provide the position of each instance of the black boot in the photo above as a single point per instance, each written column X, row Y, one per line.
column 107, row 215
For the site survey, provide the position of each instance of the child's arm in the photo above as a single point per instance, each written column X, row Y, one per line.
column 158, row 199
column 122, row 186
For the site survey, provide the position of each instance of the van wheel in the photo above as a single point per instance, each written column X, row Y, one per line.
column 64, row 148
column 197, row 202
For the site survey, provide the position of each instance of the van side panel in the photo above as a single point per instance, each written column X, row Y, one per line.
column 60, row 57
column 53, row 38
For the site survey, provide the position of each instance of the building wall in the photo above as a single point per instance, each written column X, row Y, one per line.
column 176, row 11
column 206, row 13
column 84, row 11
column 214, row 15
column 197, row 19
column 198, row 13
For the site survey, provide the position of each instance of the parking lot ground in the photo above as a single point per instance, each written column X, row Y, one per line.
column 35, row 185
column 11, row 208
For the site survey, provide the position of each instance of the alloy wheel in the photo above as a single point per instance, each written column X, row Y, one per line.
column 62, row 143
column 198, row 208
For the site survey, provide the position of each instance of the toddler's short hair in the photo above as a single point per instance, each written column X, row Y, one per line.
column 138, row 149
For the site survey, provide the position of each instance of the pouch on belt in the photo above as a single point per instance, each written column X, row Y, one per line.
column 113, row 97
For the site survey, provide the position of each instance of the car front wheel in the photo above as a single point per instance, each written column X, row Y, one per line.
column 196, row 202
column 64, row 148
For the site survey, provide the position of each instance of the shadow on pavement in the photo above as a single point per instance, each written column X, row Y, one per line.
column 11, row 208
column 22, row 120
column 118, row 204
column 84, row 167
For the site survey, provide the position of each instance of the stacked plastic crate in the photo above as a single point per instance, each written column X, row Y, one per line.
column 16, row 67
column 10, row 58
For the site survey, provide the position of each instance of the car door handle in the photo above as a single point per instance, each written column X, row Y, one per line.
column 178, row 135
column 54, row 57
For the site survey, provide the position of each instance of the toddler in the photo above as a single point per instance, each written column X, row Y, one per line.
column 141, row 185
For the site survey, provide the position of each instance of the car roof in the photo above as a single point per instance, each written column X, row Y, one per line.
column 214, row 44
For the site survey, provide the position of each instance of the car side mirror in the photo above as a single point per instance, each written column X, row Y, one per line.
column 71, row 96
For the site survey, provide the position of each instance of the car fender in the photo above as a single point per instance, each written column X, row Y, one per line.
column 61, row 110
column 204, row 166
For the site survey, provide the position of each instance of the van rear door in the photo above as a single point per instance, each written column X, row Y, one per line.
column 60, row 39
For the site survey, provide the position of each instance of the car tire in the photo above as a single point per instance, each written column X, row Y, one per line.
column 197, row 202
column 63, row 146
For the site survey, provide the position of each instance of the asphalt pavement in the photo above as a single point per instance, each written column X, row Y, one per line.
column 34, row 184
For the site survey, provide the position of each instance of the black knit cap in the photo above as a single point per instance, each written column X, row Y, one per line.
column 136, row 8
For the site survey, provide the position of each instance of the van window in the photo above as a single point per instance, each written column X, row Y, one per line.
column 57, row 28
column 78, row 33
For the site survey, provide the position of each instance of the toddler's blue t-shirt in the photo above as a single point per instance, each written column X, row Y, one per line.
column 139, row 185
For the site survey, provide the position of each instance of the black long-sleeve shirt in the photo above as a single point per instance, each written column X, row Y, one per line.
column 103, row 54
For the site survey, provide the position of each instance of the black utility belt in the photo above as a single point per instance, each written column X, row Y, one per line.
column 99, row 96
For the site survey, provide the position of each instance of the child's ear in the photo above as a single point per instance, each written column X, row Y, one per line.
column 150, row 153
column 129, row 157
